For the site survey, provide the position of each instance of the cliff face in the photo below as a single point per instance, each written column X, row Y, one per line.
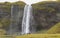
column 5, row 14
column 46, row 14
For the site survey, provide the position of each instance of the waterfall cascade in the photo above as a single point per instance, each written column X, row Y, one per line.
column 26, row 19
column 15, row 14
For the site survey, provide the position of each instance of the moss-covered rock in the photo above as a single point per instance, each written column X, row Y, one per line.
column 2, row 32
column 20, row 3
column 45, row 14
column 5, row 13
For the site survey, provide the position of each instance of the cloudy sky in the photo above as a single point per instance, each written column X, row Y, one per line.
column 26, row 1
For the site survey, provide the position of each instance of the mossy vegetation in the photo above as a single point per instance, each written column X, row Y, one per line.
column 39, row 36
column 45, row 14
column 55, row 29
column 33, row 36
column 2, row 32
column 5, row 16
column 20, row 3
column 7, row 36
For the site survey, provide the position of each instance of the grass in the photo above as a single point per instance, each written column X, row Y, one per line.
column 6, row 36
column 33, row 36
column 55, row 29
column 39, row 36
column 42, row 31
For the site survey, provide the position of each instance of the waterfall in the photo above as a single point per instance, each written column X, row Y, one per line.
column 26, row 19
column 15, row 14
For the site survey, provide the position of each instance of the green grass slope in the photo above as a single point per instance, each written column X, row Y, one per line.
column 55, row 29
column 39, row 36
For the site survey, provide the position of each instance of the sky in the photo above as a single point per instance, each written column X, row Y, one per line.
column 26, row 1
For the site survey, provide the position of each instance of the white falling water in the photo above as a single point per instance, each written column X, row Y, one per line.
column 26, row 19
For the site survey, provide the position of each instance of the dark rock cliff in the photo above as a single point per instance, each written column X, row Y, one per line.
column 46, row 14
